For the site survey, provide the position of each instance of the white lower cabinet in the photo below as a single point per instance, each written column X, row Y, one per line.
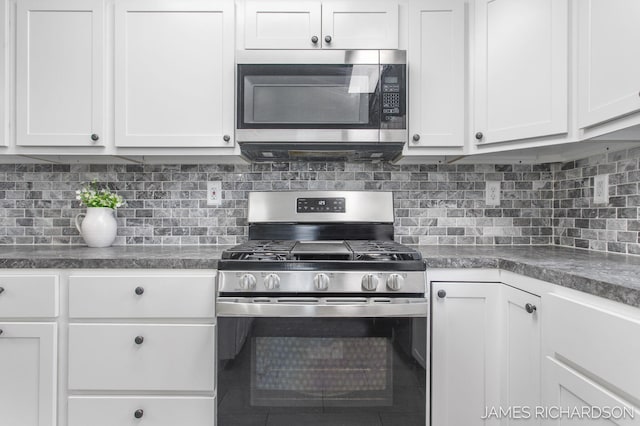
column 591, row 358
column 485, row 353
column 465, row 353
column 134, row 411
column 28, row 374
column 569, row 390
column 141, row 348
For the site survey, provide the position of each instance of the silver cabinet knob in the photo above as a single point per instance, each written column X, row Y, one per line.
column 416, row 137
column 226, row 138
column 370, row 282
column 328, row 39
column 479, row 135
column 248, row 282
column 530, row 308
column 442, row 294
column 314, row 39
column 95, row 137
column 321, row 282
column 394, row 282
column 271, row 281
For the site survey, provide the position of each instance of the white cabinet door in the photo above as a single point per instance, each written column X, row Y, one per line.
column 154, row 411
column 60, row 65
column 520, row 69
column 436, row 73
column 28, row 365
column 522, row 351
column 568, row 389
column 356, row 24
column 608, row 71
column 465, row 363
column 4, row 30
column 174, row 73
column 282, row 24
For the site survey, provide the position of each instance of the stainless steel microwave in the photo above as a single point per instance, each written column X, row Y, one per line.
column 330, row 100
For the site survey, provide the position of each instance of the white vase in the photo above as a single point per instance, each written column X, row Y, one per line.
column 99, row 226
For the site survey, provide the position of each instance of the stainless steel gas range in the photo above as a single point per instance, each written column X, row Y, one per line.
column 322, row 316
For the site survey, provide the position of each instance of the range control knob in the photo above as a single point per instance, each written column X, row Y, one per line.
column 370, row 282
column 247, row 282
column 271, row 281
column 394, row 282
column 321, row 282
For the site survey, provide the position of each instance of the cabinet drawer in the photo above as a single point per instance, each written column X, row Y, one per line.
column 595, row 338
column 156, row 411
column 28, row 296
column 161, row 296
column 169, row 357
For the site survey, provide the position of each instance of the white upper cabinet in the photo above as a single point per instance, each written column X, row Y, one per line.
column 282, row 25
column 174, row 73
column 313, row 24
column 60, row 72
column 521, row 83
column 436, row 73
column 608, row 71
column 4, row 27
column 360, row 25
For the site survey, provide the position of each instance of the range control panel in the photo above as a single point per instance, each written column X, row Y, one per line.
column 321, row 205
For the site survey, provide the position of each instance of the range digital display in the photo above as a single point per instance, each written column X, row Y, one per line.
column 321, row 205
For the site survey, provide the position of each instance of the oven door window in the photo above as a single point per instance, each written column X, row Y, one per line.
column 308, row 96
column 281, row 371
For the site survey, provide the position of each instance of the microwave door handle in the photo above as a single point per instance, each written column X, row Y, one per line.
column 233, row 307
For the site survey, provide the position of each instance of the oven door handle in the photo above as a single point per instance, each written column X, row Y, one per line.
column 241, row 307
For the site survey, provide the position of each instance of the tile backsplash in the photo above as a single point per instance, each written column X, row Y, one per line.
column 434, row 203
column 579, row 222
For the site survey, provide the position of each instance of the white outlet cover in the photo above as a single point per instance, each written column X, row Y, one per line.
column 214, row 193
column 493, row 193
column 601, row 189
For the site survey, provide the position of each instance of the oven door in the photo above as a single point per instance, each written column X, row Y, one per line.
column 330, row 362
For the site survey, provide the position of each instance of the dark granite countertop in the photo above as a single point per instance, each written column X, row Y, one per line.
column 613, row 276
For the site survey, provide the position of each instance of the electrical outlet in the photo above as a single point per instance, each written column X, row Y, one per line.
column 493, row 193
column 214, row 193
column 601, row 189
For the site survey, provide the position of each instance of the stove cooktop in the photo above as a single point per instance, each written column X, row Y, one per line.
column 348, row 250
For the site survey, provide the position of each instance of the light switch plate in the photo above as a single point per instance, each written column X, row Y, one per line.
column 601, row 189
column 214, row 193
column 493, row 193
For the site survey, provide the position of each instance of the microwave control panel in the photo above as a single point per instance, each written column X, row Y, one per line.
column 393, row 92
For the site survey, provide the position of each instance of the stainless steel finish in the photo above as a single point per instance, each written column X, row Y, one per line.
column 311, row 247
column 360, row 206
column 393, row 135
column 329, row 56
column 321, row 282
column 393, row 57
column 314, row 135
column 394, row 282
column 271, row 282
column 322, row 307
column 247, row 282
column 340, row 281
column 370, row 282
